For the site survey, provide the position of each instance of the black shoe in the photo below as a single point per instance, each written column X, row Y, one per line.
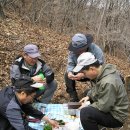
column 74, row 97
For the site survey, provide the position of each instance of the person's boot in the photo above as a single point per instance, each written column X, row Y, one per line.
column 74, row 97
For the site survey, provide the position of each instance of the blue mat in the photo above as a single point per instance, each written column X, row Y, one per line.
column 53, row 111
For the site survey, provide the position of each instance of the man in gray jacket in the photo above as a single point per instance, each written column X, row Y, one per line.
column 15, row 107
column 80, row 43
column 108, row 96
column 30, row 65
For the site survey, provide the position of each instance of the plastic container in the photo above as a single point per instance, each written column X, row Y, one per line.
column 73, row 105
column 72, row 112
column 42, row 76
column 77, row 112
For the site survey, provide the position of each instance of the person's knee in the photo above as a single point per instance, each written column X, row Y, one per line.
column 52, row 85
column 55, row 84
column 86, row 113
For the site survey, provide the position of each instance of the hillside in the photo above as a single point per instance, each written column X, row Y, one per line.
column 15, row 33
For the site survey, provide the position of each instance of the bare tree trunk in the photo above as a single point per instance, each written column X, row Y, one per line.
column 2, row 15
column 2, row 4
column 107, row 19
column 101, row 20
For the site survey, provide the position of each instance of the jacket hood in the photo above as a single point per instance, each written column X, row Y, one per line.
column 106, row 70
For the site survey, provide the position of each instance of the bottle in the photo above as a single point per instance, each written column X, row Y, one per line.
column 42, row 76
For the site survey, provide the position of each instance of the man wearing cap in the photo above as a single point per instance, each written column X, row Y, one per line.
column 108, row 96
column 80, row 43
column 15, row 107
column 30, row 65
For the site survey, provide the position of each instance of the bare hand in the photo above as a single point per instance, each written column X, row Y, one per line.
column 79, row 76
column 75, row 77
column 39, row 79
column 85, row 99
column 54, row 123
column 71, row 75
column 84, row 102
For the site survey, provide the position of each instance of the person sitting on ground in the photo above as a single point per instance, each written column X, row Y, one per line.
column 80, row 43
column 31, row 65
column 108, row 96
column 15, row 106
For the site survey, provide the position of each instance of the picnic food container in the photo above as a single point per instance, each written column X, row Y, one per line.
column 72, row 112
column 77, row 112
column 73, row 105
column 73, row 108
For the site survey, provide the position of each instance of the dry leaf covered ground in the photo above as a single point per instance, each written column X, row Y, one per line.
column 15, row 33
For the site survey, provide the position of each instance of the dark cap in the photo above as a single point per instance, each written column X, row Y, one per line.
column 32, row 50
column 80, row 41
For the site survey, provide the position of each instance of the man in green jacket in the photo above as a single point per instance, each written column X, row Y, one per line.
column 108, row 96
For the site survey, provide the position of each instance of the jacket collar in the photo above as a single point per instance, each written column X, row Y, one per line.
column 39, row 64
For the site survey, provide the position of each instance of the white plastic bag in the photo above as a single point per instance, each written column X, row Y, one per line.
column 71, row 126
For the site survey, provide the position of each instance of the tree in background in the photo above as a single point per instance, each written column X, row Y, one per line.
column 107, row 20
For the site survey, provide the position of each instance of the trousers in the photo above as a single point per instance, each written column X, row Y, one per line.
column 47, row 94
column 91, row 118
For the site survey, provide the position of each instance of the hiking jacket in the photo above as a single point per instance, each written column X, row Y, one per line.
column 109, row 94
column 13, row 113
column 18, row 69
column 93, row 48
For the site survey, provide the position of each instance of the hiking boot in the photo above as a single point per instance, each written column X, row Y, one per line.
column 74, row 97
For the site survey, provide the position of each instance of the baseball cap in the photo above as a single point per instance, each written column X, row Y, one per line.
column 80, row 41
column 32, row 50
column 25, row 82
column 84, row 59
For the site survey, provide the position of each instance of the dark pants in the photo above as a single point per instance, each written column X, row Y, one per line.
column 91, row 117
column 70, row 84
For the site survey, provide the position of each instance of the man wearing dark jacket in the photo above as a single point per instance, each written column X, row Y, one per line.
column 30, row 65
column 108, row 96
column 15, row 107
